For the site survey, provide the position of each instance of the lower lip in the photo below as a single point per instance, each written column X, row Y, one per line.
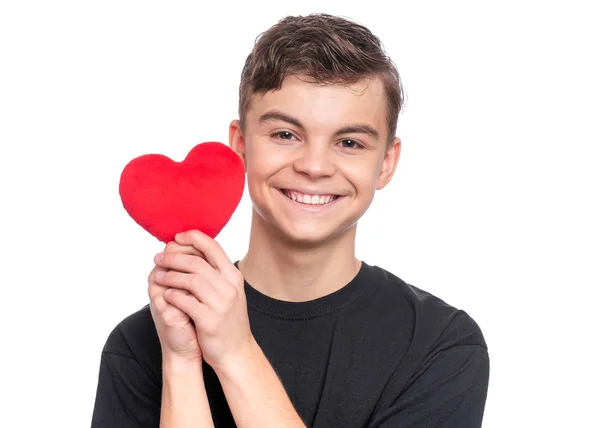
column 310, row 207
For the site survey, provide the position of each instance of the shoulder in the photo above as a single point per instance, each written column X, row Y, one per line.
column 130, row 377
column 135, row 337
column 430, row 318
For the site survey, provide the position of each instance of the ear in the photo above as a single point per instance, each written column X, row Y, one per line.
column 237, row 141
column 389, row 163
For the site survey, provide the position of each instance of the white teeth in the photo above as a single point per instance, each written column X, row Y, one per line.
column 309, row 199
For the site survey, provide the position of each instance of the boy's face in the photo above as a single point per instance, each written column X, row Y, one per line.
column 311, row 139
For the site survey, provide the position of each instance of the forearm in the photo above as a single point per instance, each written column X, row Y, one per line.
column 184, row 399
column 255, row 394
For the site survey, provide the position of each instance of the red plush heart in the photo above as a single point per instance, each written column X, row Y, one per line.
column 167, row 197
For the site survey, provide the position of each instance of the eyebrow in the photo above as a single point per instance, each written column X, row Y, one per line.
column 361, row 128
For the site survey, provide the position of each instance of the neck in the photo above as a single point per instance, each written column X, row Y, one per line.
column 284, row 270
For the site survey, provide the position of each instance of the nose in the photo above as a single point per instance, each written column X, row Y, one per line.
column 314, row 160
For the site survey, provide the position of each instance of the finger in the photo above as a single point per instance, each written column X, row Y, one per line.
column 195, row 265
column 156, row 290
column 187, row 304
column 213, row 253
column 174, row 247
column 165, row 313
column 156, row 293
column 181, row 262
column 153, row 285
column 194, row 284
column 158, row 304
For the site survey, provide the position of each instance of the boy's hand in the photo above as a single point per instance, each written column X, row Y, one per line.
column 175, row 328
column 216, row 301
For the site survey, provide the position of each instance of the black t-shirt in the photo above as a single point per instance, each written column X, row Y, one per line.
column 376, row 353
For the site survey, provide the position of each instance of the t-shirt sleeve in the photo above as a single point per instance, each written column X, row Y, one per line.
column 448, row 391
column 127, row 394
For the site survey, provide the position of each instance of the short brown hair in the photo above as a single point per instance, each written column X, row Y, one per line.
column 329, row 50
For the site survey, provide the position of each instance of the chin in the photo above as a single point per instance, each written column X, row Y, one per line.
column 283, row 220
column 304, row 235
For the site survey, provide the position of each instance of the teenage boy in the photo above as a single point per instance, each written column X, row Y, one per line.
column 299, row 332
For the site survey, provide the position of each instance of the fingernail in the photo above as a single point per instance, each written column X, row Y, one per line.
column 159, row 257
column 160, row 275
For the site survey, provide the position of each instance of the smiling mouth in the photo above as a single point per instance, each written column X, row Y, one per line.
column 305, row 199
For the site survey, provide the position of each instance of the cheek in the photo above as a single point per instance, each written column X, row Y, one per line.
column 256, row 161
column 261, row 165
column 362, row 175
column 263, row 159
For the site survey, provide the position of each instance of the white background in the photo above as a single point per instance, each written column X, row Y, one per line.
column 494, row 206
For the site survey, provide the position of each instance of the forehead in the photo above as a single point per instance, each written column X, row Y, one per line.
column 324, row 106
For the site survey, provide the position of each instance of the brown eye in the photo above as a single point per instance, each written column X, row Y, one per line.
column 350, row 144
column 284, row 135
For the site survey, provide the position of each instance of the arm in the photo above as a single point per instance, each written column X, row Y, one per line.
column 449, row 391
column 184, row 399
column 210, row 290
column 129, row 397
column 255, row 394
